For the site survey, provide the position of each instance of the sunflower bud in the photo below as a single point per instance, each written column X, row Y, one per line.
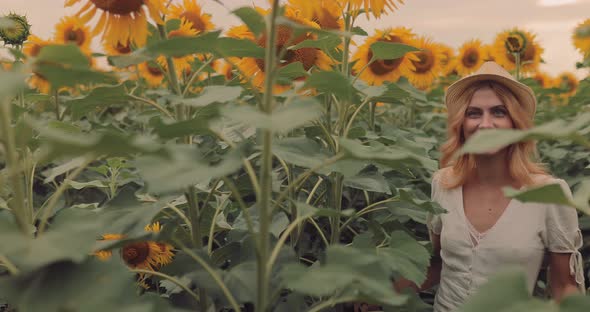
column 516, row 42
column 17, row 30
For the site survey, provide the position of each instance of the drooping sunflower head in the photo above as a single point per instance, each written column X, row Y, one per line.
column 70, row 29
column 471, row 57
column 543, row 79
column 253, row 68
column 192, row 12
column 121, row 21
column 152, row 73
column 379, row 71
column 428, row 65
column 17, row 32
column 568, row 82
column 519, row 42
column 448, row 59
column 373, row 7
column 581, row 37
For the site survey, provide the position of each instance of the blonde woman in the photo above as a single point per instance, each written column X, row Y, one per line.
column 483, row 231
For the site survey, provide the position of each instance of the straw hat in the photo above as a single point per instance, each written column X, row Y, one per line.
column 492, row 71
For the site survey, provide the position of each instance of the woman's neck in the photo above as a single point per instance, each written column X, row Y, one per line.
column 492, row 169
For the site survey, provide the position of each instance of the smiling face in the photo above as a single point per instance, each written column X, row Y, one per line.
column 485, row 111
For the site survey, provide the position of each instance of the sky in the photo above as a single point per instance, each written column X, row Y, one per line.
column 452, row 22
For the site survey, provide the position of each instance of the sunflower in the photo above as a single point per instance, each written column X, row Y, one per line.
column 448, row 59
column 117, row 49
column 380, row 71
column 148, row 255
column 253, row 68
column 428, row 66
column 152, row 73
column 581, row 37
column 31, row 48
column 70, row 29
column 543, row 79
column 191, row 11
column 374, row 7
column 223, row 68
column 17, row 32
column 568, row 82
column 517, row 41
column 326, row 13
column 470, row 58
column 182, row 63
column 487, row 52
column 121, row 20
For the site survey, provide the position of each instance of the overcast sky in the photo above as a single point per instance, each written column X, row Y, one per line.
column 449, row 21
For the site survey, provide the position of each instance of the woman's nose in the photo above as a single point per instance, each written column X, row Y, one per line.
column 487, row 121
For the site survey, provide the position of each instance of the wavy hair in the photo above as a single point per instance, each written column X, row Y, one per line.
column 521, row 156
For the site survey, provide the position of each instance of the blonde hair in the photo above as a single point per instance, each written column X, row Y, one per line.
column 521, row 155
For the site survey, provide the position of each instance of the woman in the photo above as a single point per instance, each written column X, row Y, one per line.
column 483, row 230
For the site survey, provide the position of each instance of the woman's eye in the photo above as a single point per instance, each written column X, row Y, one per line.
column 500, row 113
column 473, row 114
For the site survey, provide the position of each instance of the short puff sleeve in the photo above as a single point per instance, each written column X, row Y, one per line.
column 562, row 234
column 434, row 222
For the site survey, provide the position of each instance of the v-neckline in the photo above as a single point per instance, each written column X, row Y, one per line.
column 468, row 223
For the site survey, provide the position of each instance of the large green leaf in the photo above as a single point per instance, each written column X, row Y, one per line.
column 331, row 82
column 91, row 286
column 493, row 139
column 10, row 82
column 393, row 157
column 214, row 94
column 554, row 194
column 252, row 19
column 406, row 257
column 371, row 183
column 347, row 272
column 183, row 168
column 505, row 291
column 100, row 97
column 299, row 151
column 283, row 119
column 67, row 66
column 390, row 50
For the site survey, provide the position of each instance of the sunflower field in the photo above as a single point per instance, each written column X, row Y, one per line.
column 283, row 164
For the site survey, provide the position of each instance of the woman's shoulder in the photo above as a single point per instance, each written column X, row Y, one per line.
column 443, row 178
column 544, row 179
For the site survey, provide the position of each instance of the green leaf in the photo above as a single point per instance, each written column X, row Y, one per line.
column 252, row 19
column 396, row 158
column 406, row 257
column 505, row 291
column 10, row 82
column 299, row 151
column 100, row 97
column 184, row 167
column 279, row 221
column 325, row 43
column 286, row 74
column 493, row 139
column 52, row 173
column 67, row 66
column 575, row 303
column 547, row 194
column 371, row 183
column 283, row 119
column 82, row 185
column 331, row 82
column 214, row 94
column 389, row 50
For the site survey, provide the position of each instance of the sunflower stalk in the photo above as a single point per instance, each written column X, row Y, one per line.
column 264, row 201
column 22, row 215
column 518, row 64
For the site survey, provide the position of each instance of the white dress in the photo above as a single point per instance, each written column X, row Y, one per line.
column 520, row 237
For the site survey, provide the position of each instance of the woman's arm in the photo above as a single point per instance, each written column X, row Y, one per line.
column 433, row 274
column 562, row 283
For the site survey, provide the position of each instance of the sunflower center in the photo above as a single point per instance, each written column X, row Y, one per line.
column 120, row 7
column 155, row 71
column 136, row 253
column 527, row 55
column 307, row 56
column 75, row 35
column 470, row 58
column 382, row 67
column 195, row 19
column 425, row 62
column 123, row 49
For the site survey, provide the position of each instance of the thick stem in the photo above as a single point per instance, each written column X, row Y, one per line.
column 57, row 113
column 194, row 216
column 264, row 201
column 517, row 60
column 337, row 187
column 18, row 202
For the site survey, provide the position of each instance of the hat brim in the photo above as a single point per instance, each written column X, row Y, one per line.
column 523, row 93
